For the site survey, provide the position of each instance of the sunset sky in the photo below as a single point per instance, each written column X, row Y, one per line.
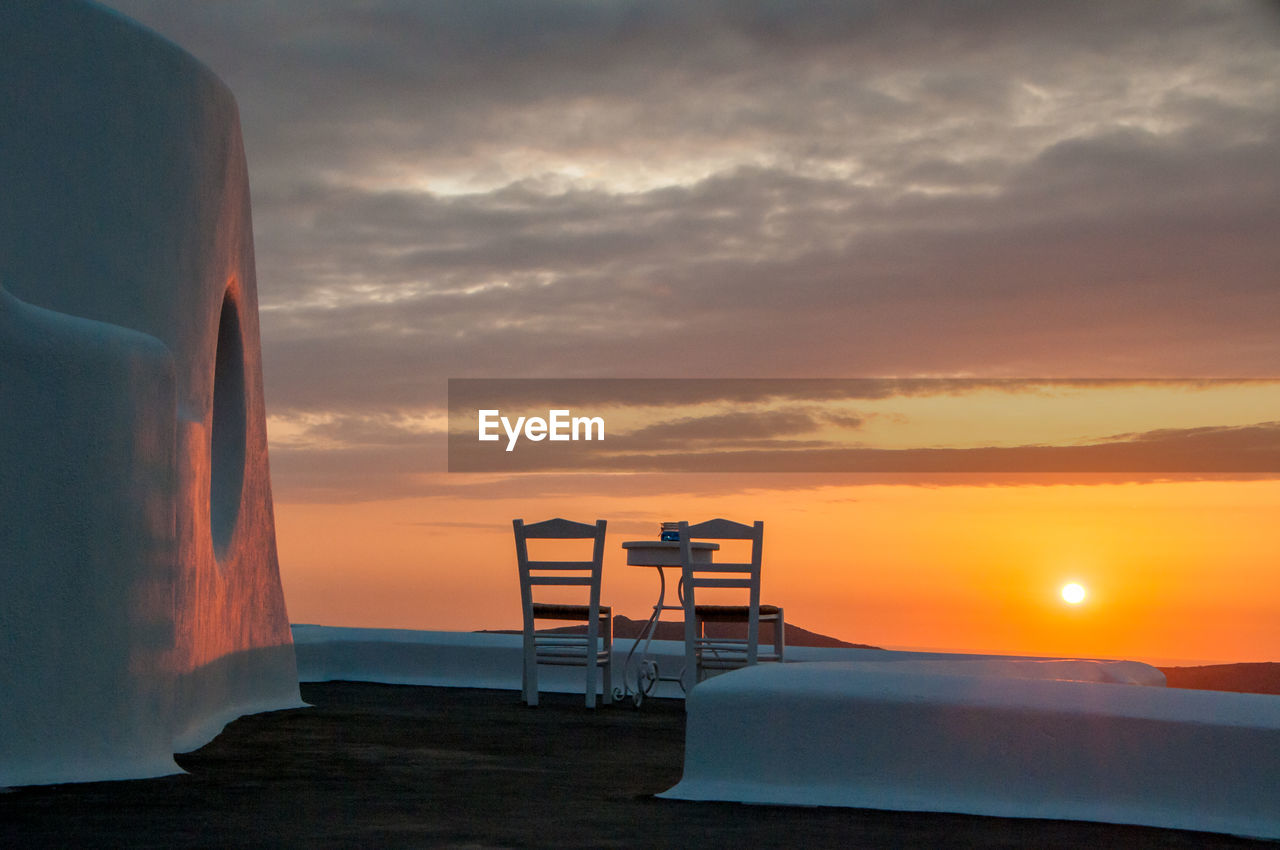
column 755, row 189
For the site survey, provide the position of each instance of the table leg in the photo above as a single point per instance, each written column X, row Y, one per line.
column 646, row 669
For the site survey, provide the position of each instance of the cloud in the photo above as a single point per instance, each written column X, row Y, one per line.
column 331, row 478
column 467, row 395
column 786, row 425
column 1235, row 450
column 752, row 273
column 749, row 189
column 727, row 428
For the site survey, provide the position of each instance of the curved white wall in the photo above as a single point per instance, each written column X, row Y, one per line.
column 1003, row 737
column 124, row 213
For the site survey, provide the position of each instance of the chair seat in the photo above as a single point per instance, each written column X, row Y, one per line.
column 552, row 611
column 733, row 613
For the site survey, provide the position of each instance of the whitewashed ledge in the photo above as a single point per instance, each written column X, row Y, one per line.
column 489, row 660
column 922, row 736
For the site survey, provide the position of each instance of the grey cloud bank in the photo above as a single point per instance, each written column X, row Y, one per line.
column 750, row 189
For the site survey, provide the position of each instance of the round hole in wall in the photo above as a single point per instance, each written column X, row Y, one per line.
column 227, row 437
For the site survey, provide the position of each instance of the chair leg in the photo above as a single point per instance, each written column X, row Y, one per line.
column 530, row 678
column 591, row 677
column 780, row 636
column 689, row 677
column 608, row 668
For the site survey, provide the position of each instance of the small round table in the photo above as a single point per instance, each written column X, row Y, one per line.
column 658, row 554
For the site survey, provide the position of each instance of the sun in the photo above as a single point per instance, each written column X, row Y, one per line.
column 1073, row 593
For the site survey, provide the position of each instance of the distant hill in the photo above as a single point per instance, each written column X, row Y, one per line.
column 625, row 627
column 1258, row 678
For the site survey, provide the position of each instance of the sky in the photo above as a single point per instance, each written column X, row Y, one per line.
column 761, row 189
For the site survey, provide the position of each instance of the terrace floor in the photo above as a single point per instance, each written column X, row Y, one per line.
column 402, row 766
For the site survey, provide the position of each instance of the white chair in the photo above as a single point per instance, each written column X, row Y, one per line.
column 593, row 649
column 704, row 651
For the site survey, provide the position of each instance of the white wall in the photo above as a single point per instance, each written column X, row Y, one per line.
column 1007, row 737
column 138, row 571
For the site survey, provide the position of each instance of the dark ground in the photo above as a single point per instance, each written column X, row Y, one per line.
column 397, row 766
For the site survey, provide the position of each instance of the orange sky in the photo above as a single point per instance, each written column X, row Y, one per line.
column 1176, row 571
